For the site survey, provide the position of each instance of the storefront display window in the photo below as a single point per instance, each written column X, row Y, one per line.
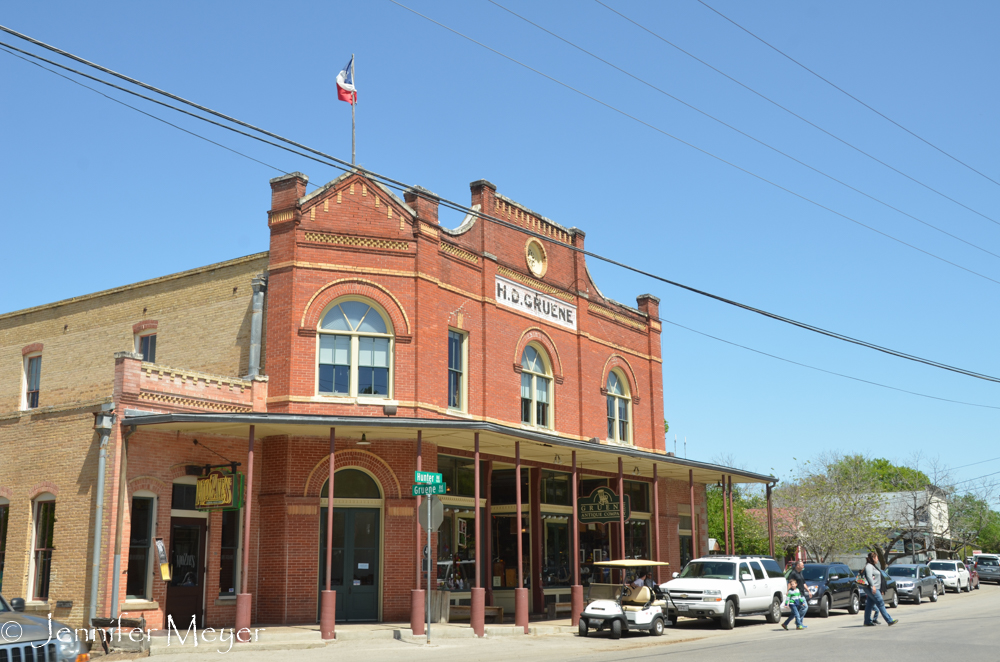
column 504, row 487
column 228, row 553
column 457, row 550
column 505, row 550
column 595, row 546
column 637, row 539
column 588, row 485
column 459, row 475
column 556, row 488
column 557, row 569
column 638, row 494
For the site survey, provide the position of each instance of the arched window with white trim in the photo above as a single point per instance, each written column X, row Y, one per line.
column 619, row 406
column 536, row 388
column 355, row 350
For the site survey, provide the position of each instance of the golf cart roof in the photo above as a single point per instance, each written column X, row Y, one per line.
column 630, row 563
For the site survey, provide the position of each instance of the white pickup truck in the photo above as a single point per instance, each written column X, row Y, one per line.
column 724, row 587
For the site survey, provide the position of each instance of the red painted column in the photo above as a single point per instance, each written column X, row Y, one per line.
column 477, row 614
column 694, row 515
column 417, row 597
column 520, row 593
column 732, row 516
column 576, row 590
column 489, row 532
column 244, row 601
column 656, row 524
column 621, row 514
column 328, row 605
column 535, row 540
column 725, row 516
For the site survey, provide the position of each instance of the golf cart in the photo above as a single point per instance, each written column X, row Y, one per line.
column 623, row 607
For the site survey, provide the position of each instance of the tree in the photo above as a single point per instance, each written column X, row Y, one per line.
column 750, row 532
column 989, row 535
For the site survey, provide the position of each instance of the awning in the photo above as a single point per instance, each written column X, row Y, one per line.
column 494, row 439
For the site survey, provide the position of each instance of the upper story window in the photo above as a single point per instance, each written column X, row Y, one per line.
column 456, row 370
column 146, row 345
column 32, row 380
column 355, row 350
column 619, row 404
column 536, row 388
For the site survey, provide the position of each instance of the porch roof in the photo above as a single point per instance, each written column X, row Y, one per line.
column 494, row 439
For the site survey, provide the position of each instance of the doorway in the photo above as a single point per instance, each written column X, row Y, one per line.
column 355, row 569
column 187, row 560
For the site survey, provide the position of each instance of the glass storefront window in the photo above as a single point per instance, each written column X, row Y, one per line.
column 504, row 487
column 595, row 545
column 556, row 488
column 459, row 475
column 588, row 485
column 638, row 495
column 504, row 571
column 557, row 568
column 457, row 550
column 637, row 539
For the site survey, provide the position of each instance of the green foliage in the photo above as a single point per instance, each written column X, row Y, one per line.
column 666, row 427
column 751, row 532
column 989, row 535
column 888, row 477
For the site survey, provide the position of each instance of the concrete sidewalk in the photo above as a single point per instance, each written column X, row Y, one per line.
column 302, row 637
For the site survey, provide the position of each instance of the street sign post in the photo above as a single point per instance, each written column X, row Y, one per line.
column 427, row 490
column 428, row 477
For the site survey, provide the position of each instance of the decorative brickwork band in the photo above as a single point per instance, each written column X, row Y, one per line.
column 616, row 317
column 144, row 325
column 31, row 349
column 364, row 460
column 361, row 242
column 460, row 253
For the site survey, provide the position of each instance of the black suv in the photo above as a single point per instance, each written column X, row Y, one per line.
column 830, row 586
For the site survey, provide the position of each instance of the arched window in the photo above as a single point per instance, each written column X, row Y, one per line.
column 355, row 350
column 619, row 404
column 536, row 388
column 352, row 484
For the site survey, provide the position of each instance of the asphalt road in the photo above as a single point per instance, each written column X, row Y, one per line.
column 959, row 626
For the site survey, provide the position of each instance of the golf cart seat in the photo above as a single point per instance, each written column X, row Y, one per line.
column 636, row 599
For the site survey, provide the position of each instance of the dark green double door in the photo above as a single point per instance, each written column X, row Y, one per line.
column 355, row 567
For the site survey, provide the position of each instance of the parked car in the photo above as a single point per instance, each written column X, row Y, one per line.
column 954, row 574
column 830, row 586
column 724, row 587
column 988, row 566
column 28, row 637
column 914, row 581
column 890, row 596
column 973, row 575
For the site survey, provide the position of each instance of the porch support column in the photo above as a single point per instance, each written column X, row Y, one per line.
column 244, row 600
column 725, row 517
column 732, row 516
column 477, row 615
column 576, row 590
column 417, row 608
column 520, row 593
column 770, row 522
column 621, row 514
column 328, row 606
column 537, row 533
column 488, row 538
column 656, row 524
column 694, row 515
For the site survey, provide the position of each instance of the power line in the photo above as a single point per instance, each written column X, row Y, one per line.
column 392, row 183
column 842, row 90
column 695, row 147
column 744, row 133
column 829, row 372
column 796, row 115
column 972, row 464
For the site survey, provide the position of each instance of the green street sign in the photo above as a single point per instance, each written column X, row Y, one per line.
column 429, row 478
column 427, row 490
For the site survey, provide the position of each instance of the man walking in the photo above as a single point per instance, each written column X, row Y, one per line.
column 873, row 592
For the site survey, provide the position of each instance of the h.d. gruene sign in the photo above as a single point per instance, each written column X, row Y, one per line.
column 536, row 304
column 602, row 506
column 219, row 491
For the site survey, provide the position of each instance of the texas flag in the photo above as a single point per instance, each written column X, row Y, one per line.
column 345, row 84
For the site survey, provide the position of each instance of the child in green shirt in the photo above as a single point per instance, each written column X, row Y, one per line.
column 797, row 603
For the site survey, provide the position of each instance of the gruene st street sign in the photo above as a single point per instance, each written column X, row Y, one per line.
column 426, row 490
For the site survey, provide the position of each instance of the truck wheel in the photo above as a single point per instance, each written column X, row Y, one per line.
column 616, row 629
column 657, row 628
column 774, row 613
column 728, row 619
column 583, row 627
column 824, row 607
column 855, row 606
column 934, row 594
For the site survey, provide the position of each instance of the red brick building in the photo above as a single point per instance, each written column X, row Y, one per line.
column 403, row 345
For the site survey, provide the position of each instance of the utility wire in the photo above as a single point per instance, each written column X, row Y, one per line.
column 617, row 110
column 829, row 372
column 744, row 133
column 347, row 167
column 695, row 147
column 796, row 115
column 972, row 464
column 842, row 90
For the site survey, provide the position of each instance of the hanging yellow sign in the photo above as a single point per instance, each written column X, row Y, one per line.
column 219, row 491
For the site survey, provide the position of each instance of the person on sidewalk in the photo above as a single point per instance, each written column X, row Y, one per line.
column 873, row 592
column 797, row 603
column 800, row 579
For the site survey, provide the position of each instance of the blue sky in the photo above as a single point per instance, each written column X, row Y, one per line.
column 97, row 195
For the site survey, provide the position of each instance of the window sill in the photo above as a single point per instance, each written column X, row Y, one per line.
column 36, row 605
column 225, row 601
column 139, row 605
column 459, row 413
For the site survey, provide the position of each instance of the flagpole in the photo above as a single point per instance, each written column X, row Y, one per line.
column 354, row 102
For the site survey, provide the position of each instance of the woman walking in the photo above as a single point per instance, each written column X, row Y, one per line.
column 873, row 592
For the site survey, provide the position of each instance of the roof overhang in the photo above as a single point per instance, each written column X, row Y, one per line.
column 494, row 439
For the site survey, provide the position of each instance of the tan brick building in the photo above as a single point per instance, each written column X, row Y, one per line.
column 370, row 327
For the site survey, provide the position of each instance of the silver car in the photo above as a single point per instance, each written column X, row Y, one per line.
column 24, row 637
column 988, row 566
